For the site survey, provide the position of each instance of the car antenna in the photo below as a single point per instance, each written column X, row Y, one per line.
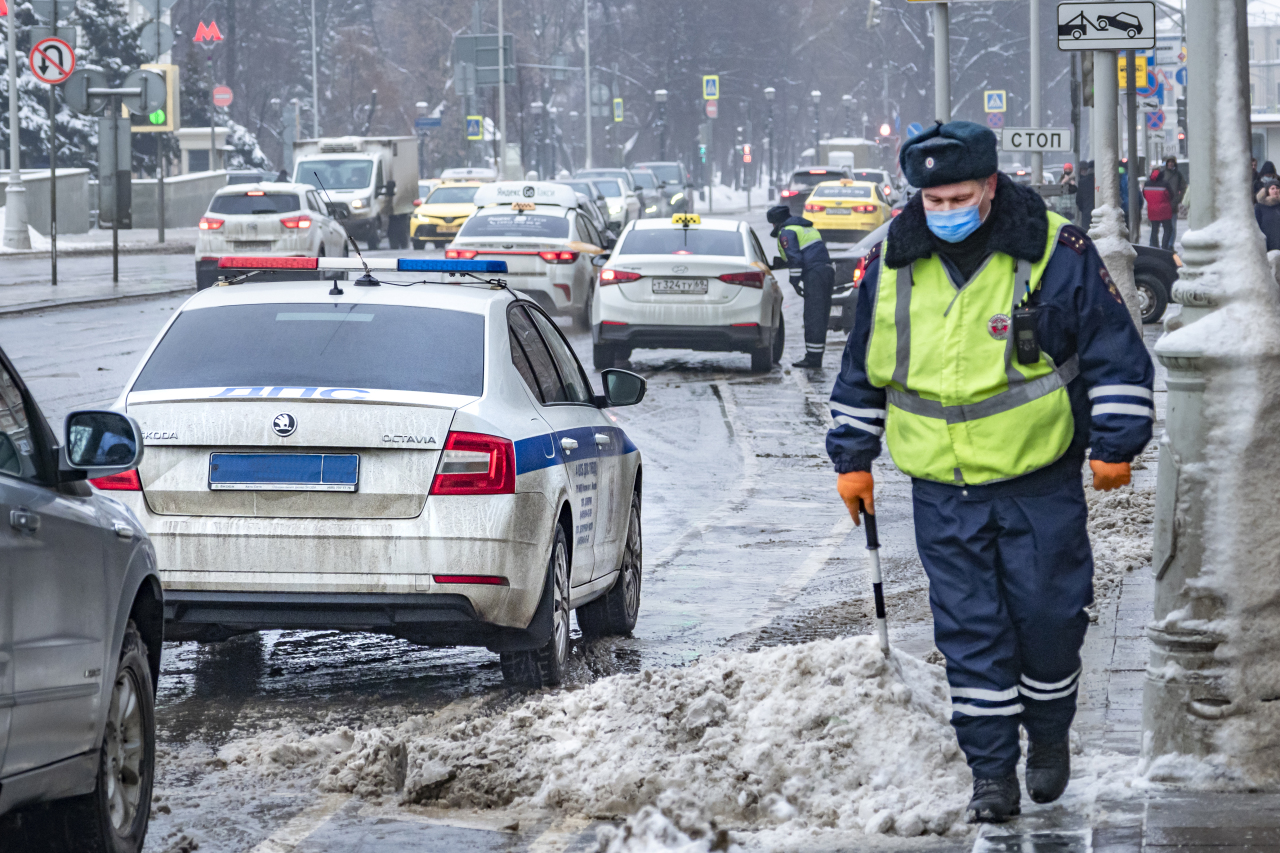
column 366, row 280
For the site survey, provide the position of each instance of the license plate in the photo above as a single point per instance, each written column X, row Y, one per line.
column 284, row 472
column 253, row 245
column 839, row 211
column 680, row 285
column 447, row 229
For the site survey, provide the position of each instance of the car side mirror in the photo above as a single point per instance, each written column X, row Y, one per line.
column 622, row 387
column 99, row 444
column 600, row 260
column 610, row 240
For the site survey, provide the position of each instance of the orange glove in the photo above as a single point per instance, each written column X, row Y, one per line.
column 856, row 490
column 1109, row 475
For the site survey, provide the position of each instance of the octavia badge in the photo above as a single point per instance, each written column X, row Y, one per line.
column 284, row 424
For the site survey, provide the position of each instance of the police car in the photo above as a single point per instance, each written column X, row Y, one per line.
column 429, row 461
column 547, row 242
column 689, row 283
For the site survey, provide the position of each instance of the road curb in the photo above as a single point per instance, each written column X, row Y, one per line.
column 105, row 251
column 53, row 304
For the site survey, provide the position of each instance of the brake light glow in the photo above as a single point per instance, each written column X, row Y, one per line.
column 476, row 464
column 789, row 193
column 255, row 192
column 859, row 271
column 208, row 223
column 755, row 278
column 460, row 254
column 233, row 263
column 299, row 221
column 126, row 482
column 815, row 208
column 864, row 208
column 489, row 580
column 417, row 201
column 608, row 276
column 558, row 257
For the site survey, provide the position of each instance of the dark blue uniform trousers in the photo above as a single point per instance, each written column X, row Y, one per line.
column 1010, row 573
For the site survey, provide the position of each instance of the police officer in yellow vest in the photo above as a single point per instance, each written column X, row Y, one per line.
column 803, row 250
column 991, row 350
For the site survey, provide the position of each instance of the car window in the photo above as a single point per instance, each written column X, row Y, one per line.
column 542, row 378
column 666, row 173
column 756, row 247
column 594, row 239
column 580, row 226
column 254, row 201
column 609, row 189
column 452, row 195
column 17, row 452
column 812, row 177
column 647, row 180
column 880, row 194
column 334, row 174
column 681, row 241
column 575, row 380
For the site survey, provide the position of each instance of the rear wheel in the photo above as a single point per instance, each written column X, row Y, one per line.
column 762, row 357
column 615, row 612
column 779, row 340
column 1152, row 298
column 545, row 666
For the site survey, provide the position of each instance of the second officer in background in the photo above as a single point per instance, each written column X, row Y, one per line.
column 812, row 275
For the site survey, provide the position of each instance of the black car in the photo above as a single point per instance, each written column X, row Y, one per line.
column 800, row 187
column 1154, row 272
column 81, row 630
column 676, row 182
column 1124, row 21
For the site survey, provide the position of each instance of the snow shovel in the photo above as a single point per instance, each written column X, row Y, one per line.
column 877, row 585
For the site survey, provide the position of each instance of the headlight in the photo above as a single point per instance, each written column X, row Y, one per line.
column 651, row 209
column 675, row 199
column 615, row 207
column 356, row 204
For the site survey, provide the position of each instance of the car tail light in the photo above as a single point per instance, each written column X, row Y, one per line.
column 417, row 201
column 608, row 276
column 234, row 263
column 789, row 193
column 476, row 464
column 255, row 192
column 859, row 271
column 126, row 482
column 558, row 257
column 755, row 278
column 815, row 208
column 488, row 580
column 864, row 208
column 888, row 189
column 299, row 221
column 460, row 254
column 208, row 223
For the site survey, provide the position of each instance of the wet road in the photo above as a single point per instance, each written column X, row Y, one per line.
column 746, row 545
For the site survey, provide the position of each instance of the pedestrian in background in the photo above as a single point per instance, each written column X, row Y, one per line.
column 991, row 348
column 1160, row 210
column 1267, row 212
column 1173, row 178
column 1085, row 194
column 1068, row 177
column 805, row 252
column 1268, row 170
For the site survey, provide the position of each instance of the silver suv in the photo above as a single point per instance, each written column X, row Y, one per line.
column 81, row 626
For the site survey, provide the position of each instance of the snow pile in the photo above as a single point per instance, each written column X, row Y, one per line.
column 38, row 241
column 1120, row 526
column 826, row 735
column 650, row 831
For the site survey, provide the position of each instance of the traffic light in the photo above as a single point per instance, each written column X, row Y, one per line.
column 873, row 13
column 168, row 117
column 1182, row 113
column 746, row 153
column 702, row 153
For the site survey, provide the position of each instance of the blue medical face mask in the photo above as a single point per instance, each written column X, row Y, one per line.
column 954, row 225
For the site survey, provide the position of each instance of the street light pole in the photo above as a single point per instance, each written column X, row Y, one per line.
column 817, row 128
column 847, row 100
column 1037, row 158
column 502, row 98
column 586, row 75
column 942, row 62
column 16, row 235
column 769, row 94
column 315, row 82
column 660, row 96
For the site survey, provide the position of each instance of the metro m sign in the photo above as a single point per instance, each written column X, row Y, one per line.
column 209, row 33
column 1035, row 139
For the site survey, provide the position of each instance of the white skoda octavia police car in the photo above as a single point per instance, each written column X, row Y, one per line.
column 688, row 283
column 545, row 239
column 427, row 461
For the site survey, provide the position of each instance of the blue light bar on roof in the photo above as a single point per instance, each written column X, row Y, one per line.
column 436, row 265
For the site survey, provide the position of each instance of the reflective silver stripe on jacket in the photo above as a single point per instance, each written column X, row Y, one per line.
column 1024, row 393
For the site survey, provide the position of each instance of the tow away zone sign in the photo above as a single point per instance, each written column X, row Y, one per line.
column 1107, row 26
column 1035, row 139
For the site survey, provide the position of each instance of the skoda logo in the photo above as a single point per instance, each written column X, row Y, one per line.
column 284, row 424
column 528, row 192
column 680, row 270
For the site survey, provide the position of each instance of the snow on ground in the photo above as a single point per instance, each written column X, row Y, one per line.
column 38, row 241
column 1120, row 526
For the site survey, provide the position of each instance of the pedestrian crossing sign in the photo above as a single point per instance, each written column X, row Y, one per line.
column 994, row 100
column 474, row 127
column 710, row 87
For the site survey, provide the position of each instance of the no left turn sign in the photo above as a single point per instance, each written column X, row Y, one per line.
column 52, row 61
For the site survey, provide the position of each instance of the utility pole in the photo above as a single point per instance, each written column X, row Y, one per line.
column 315, row 83
column 816, row 95
column 1108, row 229
column 586, row 75
column 1131, row 119
column 660, row 95
column 1037, row 158
column 942, row 62
column 16, row 235
column 769, row 94
column 502, row 99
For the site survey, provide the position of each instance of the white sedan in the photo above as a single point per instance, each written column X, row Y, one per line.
column 428, row 461
column 265, row 219
column 688, row 283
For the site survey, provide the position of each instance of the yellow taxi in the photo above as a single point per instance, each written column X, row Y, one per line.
column 845, row 211
column 440, row 215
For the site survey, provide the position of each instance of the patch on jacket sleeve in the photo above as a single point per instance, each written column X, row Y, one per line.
column 1073, row 237
column 874, row 254
column 1111, row 285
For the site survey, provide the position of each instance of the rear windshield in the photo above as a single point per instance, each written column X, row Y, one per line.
column 505, row 224
column 581, row 187
column 335, row 174
column 874, row 177
column 678, row 241
column 452, row 195
column 842, row 192
column 242, row 203
column 608, row 189
column 666, row 174
column 646, row 180
column 384, row 347
column 802, row 180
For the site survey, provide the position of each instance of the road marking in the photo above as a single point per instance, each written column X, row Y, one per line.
column 302, row 825
column 799, row 579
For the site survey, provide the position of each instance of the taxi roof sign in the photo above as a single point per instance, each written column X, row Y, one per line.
column 534, row 192
column 686, row 219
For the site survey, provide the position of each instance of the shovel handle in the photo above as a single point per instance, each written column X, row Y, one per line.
column 869, row 524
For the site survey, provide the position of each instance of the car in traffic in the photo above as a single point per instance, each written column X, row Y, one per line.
column 688, row 283
column 632, row 194
column 429, row 461
column 439, row 217
column 879, row 177
column 81, row 631
column 483, row 174
column 623, row 206
column 650, row 190
column 276, row 219
column 845, row 211
column 1154, row 272
column 675, row 183
column 545, row 238
column 593, row 196
column 801, row 184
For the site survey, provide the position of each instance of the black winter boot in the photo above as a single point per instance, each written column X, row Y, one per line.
column 813, row 359
column 995, row 800
column 1048, row 770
